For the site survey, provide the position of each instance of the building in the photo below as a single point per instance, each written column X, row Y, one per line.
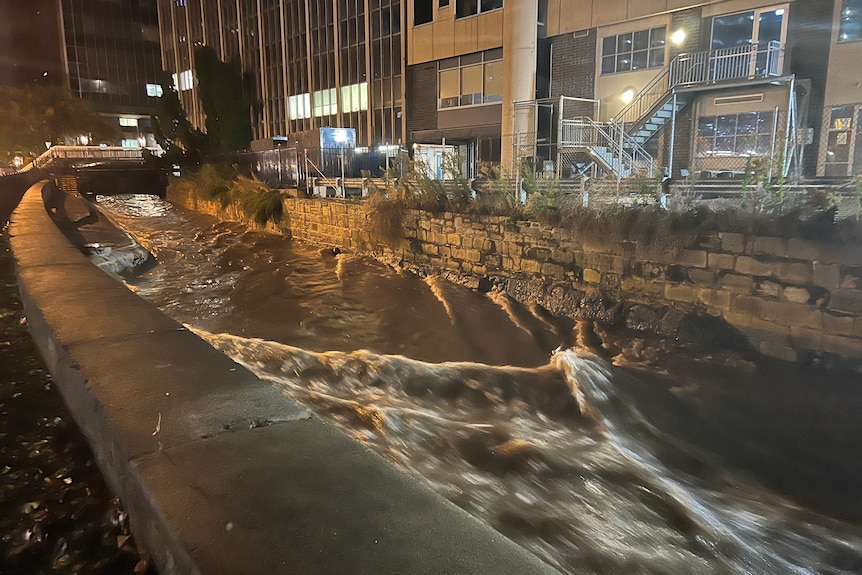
column 612, row 87
column 111, row 57
column 619, row 86
column 309, row 64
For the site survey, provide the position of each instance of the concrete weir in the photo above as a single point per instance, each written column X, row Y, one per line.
column 221, row 472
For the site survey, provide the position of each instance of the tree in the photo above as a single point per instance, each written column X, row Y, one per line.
column 38, row 114
column 225, row 102
column 172, row 128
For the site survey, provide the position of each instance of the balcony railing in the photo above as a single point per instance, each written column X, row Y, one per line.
column 736, row 63
column 704, row 69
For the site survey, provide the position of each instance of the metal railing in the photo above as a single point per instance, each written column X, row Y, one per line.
column 736, row 63
column 705, row 68
column 623, row 151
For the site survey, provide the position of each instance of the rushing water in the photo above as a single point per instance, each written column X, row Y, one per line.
column 683, row 461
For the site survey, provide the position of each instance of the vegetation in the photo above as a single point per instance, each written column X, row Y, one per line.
column 407, row 185
column 173, row 131
column 225, row 102
column 224, row 184
column 35, row 115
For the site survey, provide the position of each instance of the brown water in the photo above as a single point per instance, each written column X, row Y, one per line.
column 638, row 456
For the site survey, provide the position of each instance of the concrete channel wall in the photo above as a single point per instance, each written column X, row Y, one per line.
column 792, row 299
column 220, row 472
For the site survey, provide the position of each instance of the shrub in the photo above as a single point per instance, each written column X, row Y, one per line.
column 257, row 201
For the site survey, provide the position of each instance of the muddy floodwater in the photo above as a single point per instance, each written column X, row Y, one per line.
column 601, row 451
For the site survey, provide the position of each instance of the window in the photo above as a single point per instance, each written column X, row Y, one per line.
column 299, row 107
column 129, row 122
column 154, row 90
column 464, row 8
column 325, row 102
column 740, row 135
column 851, row 21
column 633, row 51
column 183, row 81
column 470, row 80
column 842, row 138
column 423, row 11
column 354, row 98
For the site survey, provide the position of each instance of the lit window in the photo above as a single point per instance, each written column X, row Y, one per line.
column 325, row 102
column 851, row 21
column 94, row 86
column 735, row 135
column 183, row 81
column 130, row 143
column 299, row 107
column 470, row 80
column 154, row 91
column 354, row 97
column 129, row 122
column 633, row 50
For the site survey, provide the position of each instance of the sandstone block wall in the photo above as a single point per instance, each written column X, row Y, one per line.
column 790, row 298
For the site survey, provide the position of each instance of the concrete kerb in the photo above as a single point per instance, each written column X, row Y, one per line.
column 221, row 472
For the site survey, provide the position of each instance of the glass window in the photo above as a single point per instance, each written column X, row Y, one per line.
column 740, row 135
column 464, row 8
column 354, row 97
column 488, row 5
column 470, row 79
column 449, row 89
column 154, row 90
column 325, row 102
column 471, row 85
column 733, row 30
column 129, row 122
column 299, row 107
column 851, row 21
column 633, row 51
column 493, row 90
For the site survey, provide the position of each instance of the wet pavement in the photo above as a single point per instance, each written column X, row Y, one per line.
column 56, row 513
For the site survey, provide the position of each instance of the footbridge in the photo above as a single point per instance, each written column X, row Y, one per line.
column 100, row 170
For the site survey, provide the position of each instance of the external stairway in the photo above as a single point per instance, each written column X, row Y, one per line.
column 616, row 147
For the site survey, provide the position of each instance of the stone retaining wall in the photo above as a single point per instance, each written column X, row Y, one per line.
column 793, row 299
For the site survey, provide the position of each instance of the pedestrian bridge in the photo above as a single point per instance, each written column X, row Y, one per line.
column 100, row 170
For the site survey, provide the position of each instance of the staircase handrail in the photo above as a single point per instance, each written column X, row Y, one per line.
column 700, row 68
column 646, row 99
column 586, row 132
column 622, row 143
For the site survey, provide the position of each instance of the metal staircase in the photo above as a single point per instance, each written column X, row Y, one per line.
column 608, row 146
column 617, row 146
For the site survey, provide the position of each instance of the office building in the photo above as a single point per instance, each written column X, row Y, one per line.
column 621, row 85
column 111, row 57
column 308, row 64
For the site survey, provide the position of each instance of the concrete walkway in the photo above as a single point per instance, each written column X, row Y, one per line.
column 221, row 472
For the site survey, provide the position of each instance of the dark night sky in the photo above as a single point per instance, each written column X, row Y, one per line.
column 29, row 42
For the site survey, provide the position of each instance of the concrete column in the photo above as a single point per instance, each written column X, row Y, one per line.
column 520, row 18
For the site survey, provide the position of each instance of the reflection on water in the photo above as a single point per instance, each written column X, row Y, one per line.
column 594, row 469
